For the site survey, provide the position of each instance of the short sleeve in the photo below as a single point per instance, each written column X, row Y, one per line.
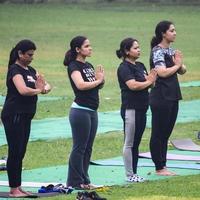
column 13, row 70
column 72, row 67
column 125, row 73
column 158, row 57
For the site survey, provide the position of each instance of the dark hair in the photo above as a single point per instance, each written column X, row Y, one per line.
column 125, row 45
column 71, row 54
column 23, row 46
column 161, row 28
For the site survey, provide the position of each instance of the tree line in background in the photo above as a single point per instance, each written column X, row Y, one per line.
column 178, row 2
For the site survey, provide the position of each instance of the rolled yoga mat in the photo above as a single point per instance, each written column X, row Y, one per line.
column 185, row 144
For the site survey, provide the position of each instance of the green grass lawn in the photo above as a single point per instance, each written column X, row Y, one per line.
column 52, row 26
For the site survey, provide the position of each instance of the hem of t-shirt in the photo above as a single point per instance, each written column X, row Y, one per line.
column 75, row 105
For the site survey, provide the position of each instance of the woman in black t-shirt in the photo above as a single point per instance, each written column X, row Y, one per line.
column 164, row 97
column 85, row 82
column 23, row 85
column 134, row 82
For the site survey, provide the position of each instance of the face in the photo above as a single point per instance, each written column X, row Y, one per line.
column 27, row 57
column 170, row 34
column 134, row 51
column 86, row 49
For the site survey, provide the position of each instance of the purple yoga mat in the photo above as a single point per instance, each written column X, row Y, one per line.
column 185, row 144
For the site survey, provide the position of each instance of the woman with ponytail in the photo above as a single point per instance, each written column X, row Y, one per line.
column 23, row 85
column 134, row 83
column 165, row 95
column 85, row 82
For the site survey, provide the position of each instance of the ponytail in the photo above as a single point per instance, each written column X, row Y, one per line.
column 154, row 42
column 13, row 57
column 119, row 53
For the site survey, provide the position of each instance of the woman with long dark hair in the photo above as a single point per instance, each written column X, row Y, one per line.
column 165, row 96
column 134, row 82
column 23, row 85
column 85, row 82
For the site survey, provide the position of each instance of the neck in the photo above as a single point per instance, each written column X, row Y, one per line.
column 18, row 62
column 131, row 60
column 164, row 44
column 80, row 59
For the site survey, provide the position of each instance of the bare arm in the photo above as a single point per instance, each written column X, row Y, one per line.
column 166, row 72
column 136, row 85
column 23, row 89
column 84, row 85
column 81, row 84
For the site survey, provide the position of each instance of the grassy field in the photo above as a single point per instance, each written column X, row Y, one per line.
column 52, row 26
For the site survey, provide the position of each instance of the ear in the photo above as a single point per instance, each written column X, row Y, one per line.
column 163, row 35
column 126, row 52
column 20, row 54
column 77, row 50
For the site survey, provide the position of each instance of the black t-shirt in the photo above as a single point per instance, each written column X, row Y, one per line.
column 165, row 88
column 15, row 102
column 132, row 99
column 86, row 98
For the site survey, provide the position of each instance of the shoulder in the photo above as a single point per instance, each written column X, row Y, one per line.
column 123, row 64
column 88, row 64
column 32, row 69
column 124, row 68
column 74, row 65
column 140, row 64
column 14, row 69
column 157, row 50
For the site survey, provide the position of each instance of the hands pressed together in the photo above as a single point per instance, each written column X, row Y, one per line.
column 41, row 84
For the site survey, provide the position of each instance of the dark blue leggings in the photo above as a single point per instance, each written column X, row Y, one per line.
column 84, row 126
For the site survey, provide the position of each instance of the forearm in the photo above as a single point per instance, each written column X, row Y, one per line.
column 166, row 72
column 88, row 85
column 136, row 85
column 29, row 91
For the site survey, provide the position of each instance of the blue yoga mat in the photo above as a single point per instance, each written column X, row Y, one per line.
column 118, row 161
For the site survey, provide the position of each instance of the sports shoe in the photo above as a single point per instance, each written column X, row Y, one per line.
column 135, row 178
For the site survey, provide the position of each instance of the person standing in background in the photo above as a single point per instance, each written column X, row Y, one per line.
column 165, row 96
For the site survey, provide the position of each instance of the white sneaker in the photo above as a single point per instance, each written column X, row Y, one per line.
column 135, row 178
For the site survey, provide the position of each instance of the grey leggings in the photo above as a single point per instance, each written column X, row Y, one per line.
column 84, row 126
column 134, row 125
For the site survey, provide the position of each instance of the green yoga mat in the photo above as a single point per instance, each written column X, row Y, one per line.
column 190, row 84
column 101, row 174
column 53, row 128
column 40, row 98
